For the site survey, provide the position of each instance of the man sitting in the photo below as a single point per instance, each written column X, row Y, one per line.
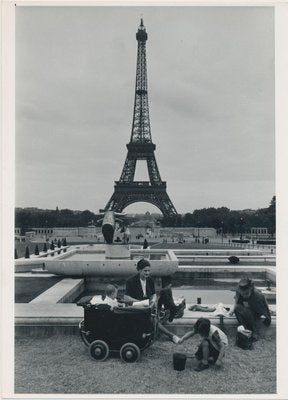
column 166, row 300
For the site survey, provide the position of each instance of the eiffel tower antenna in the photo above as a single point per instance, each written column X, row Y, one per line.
column 141, row 147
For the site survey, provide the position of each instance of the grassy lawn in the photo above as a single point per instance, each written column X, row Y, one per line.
column 21, row 247
column 26, row 289
column 60, row 365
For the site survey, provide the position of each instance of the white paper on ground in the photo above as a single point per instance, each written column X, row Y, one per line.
column 143, row 303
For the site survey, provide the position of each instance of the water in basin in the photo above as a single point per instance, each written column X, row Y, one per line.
column 89, row 256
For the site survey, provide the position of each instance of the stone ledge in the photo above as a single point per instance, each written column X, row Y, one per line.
column 49, row 319
column 64, row 291
column 227, row 268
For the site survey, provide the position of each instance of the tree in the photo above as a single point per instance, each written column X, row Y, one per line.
column 27, row 254
column 188, row 219
column 59, row 243
column 64, row 243
column 271, row 215
column 272, row 206
column 15, row 254
column 36, row 252
column 45, row 248
column 86, row 216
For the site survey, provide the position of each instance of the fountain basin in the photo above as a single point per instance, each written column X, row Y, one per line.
column 91, row 261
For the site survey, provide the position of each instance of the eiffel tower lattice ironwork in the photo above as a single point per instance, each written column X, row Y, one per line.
column 140, row 147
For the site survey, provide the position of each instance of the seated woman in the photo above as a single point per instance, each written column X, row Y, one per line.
column 141, row 287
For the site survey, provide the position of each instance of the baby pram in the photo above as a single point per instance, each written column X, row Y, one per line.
column 127, row 330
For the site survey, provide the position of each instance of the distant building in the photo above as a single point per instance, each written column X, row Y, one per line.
column 83, row 232
column 43, row 231
column 189, row 231
column 29, row 235
column 17, row 235
column 259, row 232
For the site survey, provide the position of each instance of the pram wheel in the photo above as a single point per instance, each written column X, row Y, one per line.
column 83, row 334
column 129, row 353
column 98, row 350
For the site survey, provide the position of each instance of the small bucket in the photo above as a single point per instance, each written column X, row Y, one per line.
column 179, row 361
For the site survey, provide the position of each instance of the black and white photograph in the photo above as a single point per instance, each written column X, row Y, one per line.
column 144, row 192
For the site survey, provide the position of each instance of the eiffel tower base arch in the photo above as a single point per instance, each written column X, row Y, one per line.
column 126, row 194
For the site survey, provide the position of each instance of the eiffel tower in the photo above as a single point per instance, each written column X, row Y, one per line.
column 140, row 147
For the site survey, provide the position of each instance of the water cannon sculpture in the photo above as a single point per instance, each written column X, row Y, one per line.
column 118, row 260
column 109, row 220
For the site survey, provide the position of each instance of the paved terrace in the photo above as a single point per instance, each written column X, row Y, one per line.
column 48, row 313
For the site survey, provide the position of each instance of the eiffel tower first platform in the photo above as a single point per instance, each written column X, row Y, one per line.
column 140, row 147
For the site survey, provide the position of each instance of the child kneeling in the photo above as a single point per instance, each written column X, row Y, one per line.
column 213, row 345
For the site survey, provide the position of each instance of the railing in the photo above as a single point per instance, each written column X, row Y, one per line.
column 244, row 245
column 52, row 252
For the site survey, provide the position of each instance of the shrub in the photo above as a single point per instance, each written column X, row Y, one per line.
column 145, row 244
column 59, row 243
column 15, row 254
column 240, row 241
column 36, row 252
column 233, row 260
column 271, row 242
column 27, row 254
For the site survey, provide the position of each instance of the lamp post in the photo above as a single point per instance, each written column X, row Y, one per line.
column 241, row 228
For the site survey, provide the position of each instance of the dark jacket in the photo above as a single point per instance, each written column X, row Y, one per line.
column 134, row 288
column 257, row 303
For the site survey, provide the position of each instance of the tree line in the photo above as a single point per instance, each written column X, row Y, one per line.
column 226, row 220
column 222, row 219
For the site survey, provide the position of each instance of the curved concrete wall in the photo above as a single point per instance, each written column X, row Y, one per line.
column 27, row 264
column 107, row 267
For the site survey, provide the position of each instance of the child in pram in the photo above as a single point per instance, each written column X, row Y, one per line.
column 109, row 298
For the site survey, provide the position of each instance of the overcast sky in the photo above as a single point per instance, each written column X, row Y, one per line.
column 211, row 100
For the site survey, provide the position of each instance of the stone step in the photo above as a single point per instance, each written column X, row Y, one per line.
column 40, row 271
